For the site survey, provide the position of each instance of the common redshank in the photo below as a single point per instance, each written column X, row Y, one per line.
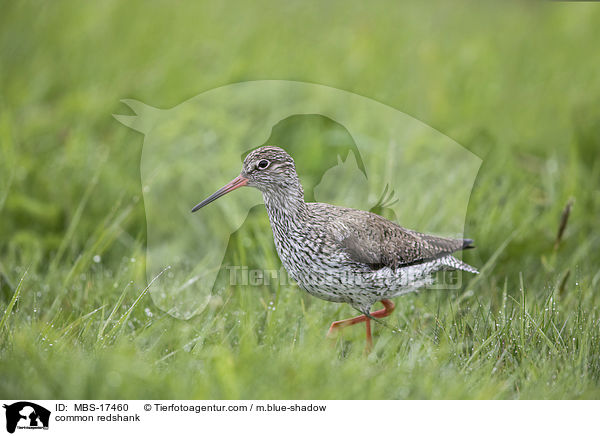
column 340, row 254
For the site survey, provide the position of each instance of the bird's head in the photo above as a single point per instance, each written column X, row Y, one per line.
column 267, row 168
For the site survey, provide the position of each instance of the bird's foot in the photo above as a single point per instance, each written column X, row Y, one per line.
column 388, row 308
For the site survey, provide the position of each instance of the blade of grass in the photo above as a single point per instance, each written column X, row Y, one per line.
column 125, row 316
column 77, row 216
column 482, row 346
column 112, row 313
column 12, row 302
column 79, row 320
column 542, row 334
column 523, row 312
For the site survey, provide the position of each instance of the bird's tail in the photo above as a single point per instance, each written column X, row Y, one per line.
column 467, row 244
column 452, row 262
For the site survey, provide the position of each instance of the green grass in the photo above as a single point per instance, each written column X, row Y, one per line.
column 516, row 84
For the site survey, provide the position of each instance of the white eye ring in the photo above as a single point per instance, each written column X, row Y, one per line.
column 263, row 164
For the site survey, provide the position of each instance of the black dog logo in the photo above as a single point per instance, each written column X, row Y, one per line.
column 30, row 413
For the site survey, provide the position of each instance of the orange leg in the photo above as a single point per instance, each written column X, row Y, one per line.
column 388, row 308
column 369, row 345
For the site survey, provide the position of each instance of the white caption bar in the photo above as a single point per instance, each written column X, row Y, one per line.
column 462, row 418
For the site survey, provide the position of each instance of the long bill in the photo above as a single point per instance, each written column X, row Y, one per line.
column 238, row 182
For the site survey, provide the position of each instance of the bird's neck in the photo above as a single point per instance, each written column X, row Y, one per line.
column 285, row 205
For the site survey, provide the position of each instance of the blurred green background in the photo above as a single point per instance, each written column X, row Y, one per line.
column 517, row 83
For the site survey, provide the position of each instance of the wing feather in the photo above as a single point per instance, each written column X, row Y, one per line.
column 371, row 239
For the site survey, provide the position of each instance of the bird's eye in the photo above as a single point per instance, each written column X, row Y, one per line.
column 263, row 164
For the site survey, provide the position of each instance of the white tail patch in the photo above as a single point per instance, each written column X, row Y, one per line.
column 453, row 263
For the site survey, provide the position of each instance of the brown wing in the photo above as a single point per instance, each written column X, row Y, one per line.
column 377, row 242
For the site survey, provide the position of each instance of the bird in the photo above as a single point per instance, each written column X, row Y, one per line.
column 340, row 254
